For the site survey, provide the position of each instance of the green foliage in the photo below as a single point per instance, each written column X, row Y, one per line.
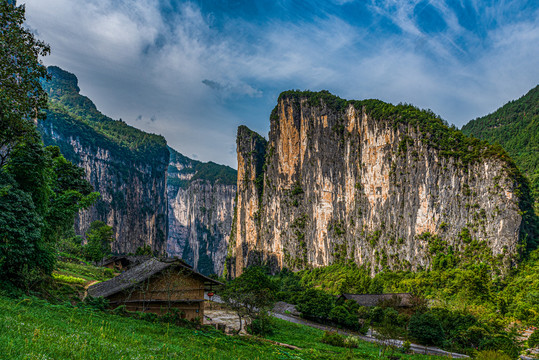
column 251, row 295
column 99, row 238
column 533, row 340
column 21, row 96
column 262, row 324
column 515, row 127
column 425, row 328
column 71, row 113
column 492, row 355
column 210, row 171
column 315, row 303
column 333, row 338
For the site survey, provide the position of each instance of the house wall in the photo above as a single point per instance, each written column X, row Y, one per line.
column 172, row 288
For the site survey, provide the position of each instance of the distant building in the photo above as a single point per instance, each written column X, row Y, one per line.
column 396, row 299
column 124, row 262
column 158, row 286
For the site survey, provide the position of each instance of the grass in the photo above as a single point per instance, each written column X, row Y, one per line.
column 307, row 337
column 35, row 329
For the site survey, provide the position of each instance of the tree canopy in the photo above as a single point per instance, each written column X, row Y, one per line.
column 21, row 94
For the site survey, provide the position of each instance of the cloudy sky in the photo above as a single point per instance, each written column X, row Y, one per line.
column 195, row 70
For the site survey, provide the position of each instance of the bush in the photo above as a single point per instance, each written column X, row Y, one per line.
column 426, row 329
column 342, row 316
column 533, row 340
column 351, row 341
column 315, row 304
column 96, row 303
column 261, row 325
column 333, row 338
column 492, row 355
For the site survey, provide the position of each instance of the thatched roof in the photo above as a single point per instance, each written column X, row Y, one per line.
column 140, row 273
column 375, row 299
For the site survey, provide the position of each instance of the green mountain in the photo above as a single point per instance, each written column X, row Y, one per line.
column 515, row 126
column 73, row 112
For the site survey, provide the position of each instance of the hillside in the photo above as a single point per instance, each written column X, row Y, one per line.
column 515, row 126
column 33, row 328
column 387, row 187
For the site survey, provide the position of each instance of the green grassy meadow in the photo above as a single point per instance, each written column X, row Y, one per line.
column 35, row 329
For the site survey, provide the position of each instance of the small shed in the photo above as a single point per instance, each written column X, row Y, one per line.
column 123, row 262
column 158, row 286
column 395, row 299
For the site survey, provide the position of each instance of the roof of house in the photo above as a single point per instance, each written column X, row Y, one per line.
column 139, row 274
column 375, row 299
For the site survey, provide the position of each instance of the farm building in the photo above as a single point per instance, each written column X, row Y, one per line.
column 122, row 263
column 158, row 286
column 396, row 299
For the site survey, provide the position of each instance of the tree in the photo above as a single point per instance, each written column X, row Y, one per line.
column 99, row 237
column 426, row 328
column 315, row 304
column 250, row 295
column 21, row 94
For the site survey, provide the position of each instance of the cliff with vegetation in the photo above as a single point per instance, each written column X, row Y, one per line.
column 384, row 186
column 515, row 126
column 125, row 165
column 200, row 208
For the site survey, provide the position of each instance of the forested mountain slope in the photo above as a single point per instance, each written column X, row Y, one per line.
column 515, row 126
column 126, row 165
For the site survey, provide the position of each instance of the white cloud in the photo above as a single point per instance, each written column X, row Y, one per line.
column 201, row 81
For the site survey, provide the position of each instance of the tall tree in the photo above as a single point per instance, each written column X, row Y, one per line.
column 21, row 95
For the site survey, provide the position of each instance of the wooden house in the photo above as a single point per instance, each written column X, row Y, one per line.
column 395, row 299
column 158, row 286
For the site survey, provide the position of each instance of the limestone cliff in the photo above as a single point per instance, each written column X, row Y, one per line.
column 125, row 165
column 384, row 186
column 200, row 209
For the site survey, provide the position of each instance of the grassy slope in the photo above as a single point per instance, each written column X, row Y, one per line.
column 35, row 329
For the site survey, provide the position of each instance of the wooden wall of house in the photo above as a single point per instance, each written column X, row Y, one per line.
column 172, row 288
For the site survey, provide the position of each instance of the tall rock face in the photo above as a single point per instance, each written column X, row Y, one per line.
column 200, row 211
column 388, row 187
column 127, row 166
column 246, row 228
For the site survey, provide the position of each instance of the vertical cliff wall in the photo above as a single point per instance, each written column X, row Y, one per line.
column 385, row 186
column 127, row 166
column 200, row 207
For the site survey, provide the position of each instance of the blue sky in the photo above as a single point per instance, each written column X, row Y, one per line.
column 195, row 70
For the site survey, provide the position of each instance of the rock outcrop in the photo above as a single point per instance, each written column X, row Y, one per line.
column 200, row 210
column 126, row 166
column 381, row 185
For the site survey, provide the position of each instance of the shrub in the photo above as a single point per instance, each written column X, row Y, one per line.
column 261, row 325
column 333, row 338
column 426, row 329
column 492, row 355
column 533, row 340
column 351, row 341
column 315, row 304
column 96, row 303
column 342, row 316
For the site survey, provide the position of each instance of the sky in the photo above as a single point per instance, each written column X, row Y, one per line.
column 193, row 71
